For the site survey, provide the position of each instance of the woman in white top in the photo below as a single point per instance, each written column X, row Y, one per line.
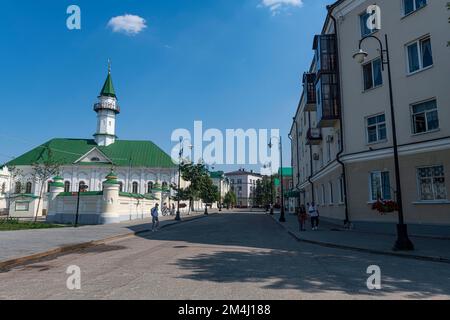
column 314, row 214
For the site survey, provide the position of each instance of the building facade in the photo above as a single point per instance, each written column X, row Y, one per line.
column 4, row 189
column 221, row 182
column 342, row 131
column 142, row 167
column 243, row 184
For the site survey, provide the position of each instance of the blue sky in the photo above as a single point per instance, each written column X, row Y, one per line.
column 230, row 63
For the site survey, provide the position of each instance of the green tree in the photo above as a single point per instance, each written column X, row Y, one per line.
column 42, row 170
column 15, row 175
column 199, row 183
column 209, row 193
column 263, row 191
column 230, row 199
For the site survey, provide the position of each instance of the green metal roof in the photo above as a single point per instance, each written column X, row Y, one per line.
column 216, row 174
column 286, row 171
column 108, row 88
column 122, row 153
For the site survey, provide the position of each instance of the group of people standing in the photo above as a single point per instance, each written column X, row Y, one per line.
column 311, row 211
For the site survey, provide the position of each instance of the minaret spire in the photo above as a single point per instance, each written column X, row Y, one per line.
column 107, row 108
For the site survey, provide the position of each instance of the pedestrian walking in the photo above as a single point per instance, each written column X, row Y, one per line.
column 314, row 214
column 302, row 217
column 155, row 219
column 172, row 211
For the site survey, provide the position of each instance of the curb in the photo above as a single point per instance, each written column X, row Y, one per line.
column 358, row 249
column 15, row 262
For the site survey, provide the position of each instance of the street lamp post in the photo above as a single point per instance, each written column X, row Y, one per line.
column 282, row 216
column 81, row 188
column 220, row 193
column 180, row 155
column 271, row 186
column 403, row 242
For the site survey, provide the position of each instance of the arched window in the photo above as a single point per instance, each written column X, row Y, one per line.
column 28, row 187
column 135, row 187
column 18, row 187
column 67, row 186
column 3, row 190
column 120, row 186
column 95, row 159
column 81, row 183
column 150, row 187
column 48, row 185
column 165, row 185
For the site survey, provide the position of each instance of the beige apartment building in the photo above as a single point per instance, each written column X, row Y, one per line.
column 342, row 134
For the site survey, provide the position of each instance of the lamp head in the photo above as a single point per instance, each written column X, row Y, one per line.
column 360, row 56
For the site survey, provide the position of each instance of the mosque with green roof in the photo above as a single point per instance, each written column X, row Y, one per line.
column 141, row 166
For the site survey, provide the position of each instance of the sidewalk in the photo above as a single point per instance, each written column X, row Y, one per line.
column 21, row 245
column 332, row 235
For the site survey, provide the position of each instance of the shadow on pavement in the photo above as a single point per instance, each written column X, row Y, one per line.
column 261, row 252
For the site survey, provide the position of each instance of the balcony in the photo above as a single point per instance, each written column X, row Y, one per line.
column 107, row 105
column 328, row 102
column 314, row 136
column 309, row 90
column 326, row 53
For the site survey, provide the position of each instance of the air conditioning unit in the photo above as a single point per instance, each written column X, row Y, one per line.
column 316, row 156
column 330, row 139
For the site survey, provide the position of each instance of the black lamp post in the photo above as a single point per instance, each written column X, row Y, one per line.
column 180, row 155
column 282, row 217
column 403, row 242
column 220, row 193
column 81, row 188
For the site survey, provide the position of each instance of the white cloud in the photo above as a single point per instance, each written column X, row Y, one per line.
column 128, row 24
column 277, row 5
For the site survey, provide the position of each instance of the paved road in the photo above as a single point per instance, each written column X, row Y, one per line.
column 226, row 256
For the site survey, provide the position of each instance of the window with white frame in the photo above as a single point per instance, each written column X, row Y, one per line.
column 329, row 151
column 376, row 128
column 372, row 74
column 431, row 182
column 135, row 187
column 425, row 117
column 341, row 190
column 420, row 55
column 323, row 195
column 330, row 186
column 410, row 6
column 380, row 186
column 318, row 195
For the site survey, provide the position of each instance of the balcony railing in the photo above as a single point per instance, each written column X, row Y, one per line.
column 106, row 105
column 326, row 53
column 314, row 136
column 328, row 102
column 309, row 88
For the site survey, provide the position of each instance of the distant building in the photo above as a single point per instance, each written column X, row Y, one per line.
column 243, row 184
column 221, row 182
column 289, row 193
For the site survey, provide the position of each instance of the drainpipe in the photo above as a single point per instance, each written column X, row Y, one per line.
column 298, row 162
column 341, row 132
column 292, row 176
column 311, row 163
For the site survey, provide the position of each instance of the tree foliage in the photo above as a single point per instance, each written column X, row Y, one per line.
column 263, row 191
column 43, row 170
column 200, row 184
column 230, row 199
